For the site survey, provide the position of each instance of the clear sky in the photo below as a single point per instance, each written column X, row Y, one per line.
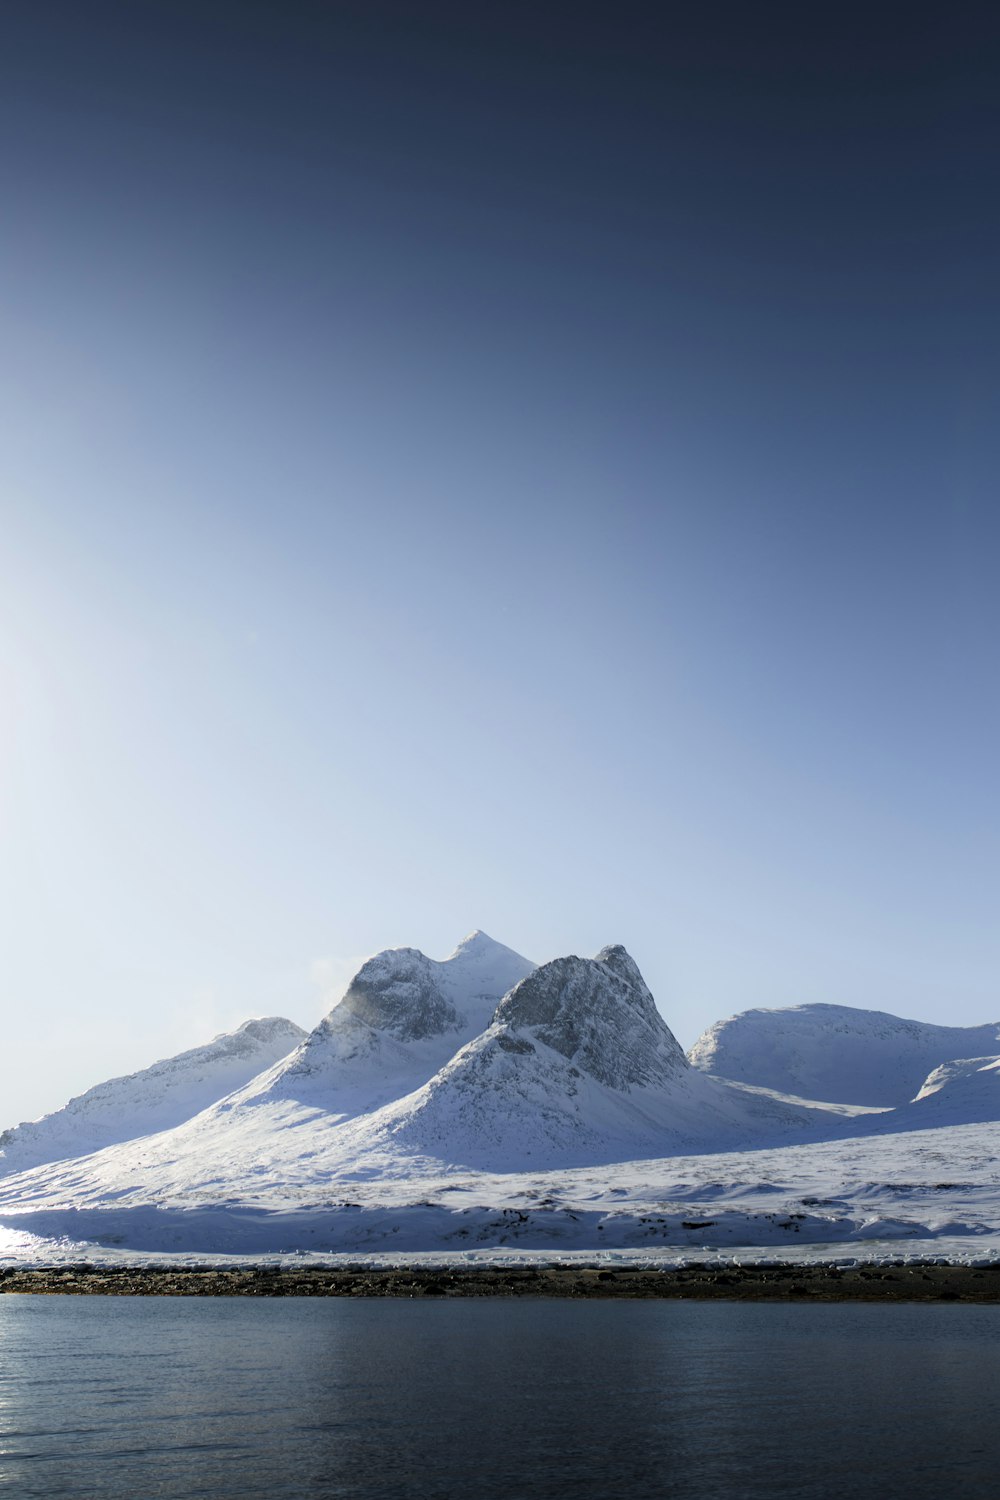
column 518, row 466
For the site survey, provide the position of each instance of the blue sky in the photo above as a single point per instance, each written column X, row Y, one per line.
column 516, row 467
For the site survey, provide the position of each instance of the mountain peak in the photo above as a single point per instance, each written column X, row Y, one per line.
column 402, row 1017
column 476, row 942
column 618, row 959
column 398, row 992
column 598, row 1013
column 479, row 972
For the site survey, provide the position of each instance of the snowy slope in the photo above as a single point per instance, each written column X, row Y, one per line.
column 154, row 1099
column 922, row 1193
column 481, row 1104
column 954, row 1076
column 577, row 1066
column 834, row 1052
column 402, row 1016
column 963, row 1092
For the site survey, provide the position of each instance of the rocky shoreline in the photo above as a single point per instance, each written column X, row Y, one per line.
column 900, row 1282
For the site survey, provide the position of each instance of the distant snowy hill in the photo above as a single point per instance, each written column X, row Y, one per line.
column 154, row 1099
column 834, row 1052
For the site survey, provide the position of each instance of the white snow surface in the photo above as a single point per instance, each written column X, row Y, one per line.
column 931, row 1194
column 401, row 1018
column 154, row 1099
column 967, row 1089
column 835, row 1052
column 480, row 1107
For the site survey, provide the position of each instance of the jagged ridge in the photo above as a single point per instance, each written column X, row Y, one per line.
column 599, row 1014
column 400, row 1019
column 577, row 1065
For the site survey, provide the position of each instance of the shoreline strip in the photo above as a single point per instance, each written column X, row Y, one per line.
column 891, row 1282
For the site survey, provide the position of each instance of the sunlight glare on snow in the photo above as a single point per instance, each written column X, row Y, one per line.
column 15, row 1244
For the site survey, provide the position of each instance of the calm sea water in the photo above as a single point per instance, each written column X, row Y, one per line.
column 147, row 1397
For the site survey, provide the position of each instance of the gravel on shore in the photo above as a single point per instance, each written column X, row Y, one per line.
column 899, row 1282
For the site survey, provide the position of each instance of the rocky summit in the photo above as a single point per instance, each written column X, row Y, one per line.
column 398, row 993
column 599, row 1014
column 401, row 1018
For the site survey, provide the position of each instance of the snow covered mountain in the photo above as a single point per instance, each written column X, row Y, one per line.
column 154, row 1099
column 599, row 1015
column 402, row 1016
column 834, row 1052
column 577, row 1065
column 478, row 1100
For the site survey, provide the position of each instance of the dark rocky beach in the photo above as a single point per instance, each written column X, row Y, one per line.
column 910, row 1282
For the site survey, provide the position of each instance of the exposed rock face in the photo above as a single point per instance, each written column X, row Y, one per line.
column 576, row 1066
column 399, row 993
column 476, row 1062
column 402, row 1017
column 598, row 1013
column 253, row 1040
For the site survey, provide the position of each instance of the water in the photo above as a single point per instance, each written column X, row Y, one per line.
column 151, row 1397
